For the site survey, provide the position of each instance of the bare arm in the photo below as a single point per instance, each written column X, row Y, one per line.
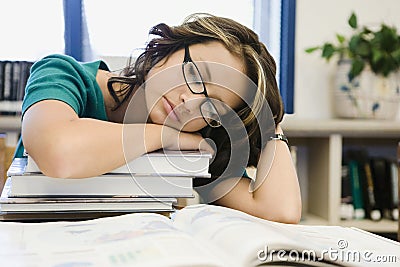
column 64, row 145
column 277, row 194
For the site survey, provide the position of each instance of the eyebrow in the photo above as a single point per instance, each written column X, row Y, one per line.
column 207, row 69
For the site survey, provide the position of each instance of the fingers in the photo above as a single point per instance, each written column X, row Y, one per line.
column 175, row 140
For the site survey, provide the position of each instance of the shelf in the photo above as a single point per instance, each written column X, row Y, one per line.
column 346, row 128
column 310, row 219
column 10, row 123
column 382, row 226
column 320, row 146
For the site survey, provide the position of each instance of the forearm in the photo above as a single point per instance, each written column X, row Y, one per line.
column 274, row 196
column 277, row 188
column 105, row 146
column 88, row 147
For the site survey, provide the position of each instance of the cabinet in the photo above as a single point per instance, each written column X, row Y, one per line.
column 11, row 126
column 320, row 145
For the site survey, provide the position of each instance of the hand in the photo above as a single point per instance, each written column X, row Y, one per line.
column 175, row 140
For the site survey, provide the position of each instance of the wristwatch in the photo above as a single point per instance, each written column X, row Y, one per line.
column 280, row 137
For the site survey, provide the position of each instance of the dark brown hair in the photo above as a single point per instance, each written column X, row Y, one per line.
column 242, row 42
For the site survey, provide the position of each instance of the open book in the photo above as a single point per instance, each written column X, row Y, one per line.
column 199, row 235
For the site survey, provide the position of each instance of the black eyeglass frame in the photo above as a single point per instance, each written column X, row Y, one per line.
column 187, row 59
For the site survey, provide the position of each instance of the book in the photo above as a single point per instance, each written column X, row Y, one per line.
column 394, row 187
column 346, row 200
column 2, row 160
column 198, row 235
column 356, row 189
column 82, row 204
column 383, row 194
column 2, row 64
column 371, row 207
column 162, row 162
column 13, row 79
column 101, row 186
column 36, row 184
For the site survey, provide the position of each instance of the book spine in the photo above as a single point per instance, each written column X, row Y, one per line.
column 394, row 175
column 346, row 204
column 25, row 72
column 13, row 79
column 1, row 81
column 372, row 210
column 378, row 169
column 359, row 212
column 16, row 70
column 7, row 83
column 2, row 160
column 398, row 185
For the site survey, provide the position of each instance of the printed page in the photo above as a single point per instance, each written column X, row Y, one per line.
column 129, row 240
column 254, row 241
column 236, row 233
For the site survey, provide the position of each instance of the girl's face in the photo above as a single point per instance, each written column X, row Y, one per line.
column 172, row 103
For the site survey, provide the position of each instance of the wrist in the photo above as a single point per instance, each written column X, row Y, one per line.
column 280, row 137
column 278, row 129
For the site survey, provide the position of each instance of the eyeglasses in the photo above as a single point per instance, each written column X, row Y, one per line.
column 195, row 83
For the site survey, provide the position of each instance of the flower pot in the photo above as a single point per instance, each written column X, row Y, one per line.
column 368, row 96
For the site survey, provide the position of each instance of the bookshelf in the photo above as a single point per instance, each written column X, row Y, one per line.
column 320, row 144
column 11, row 126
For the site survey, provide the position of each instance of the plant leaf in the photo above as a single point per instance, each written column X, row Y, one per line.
column 312, row 49
column 396, row 55
column 328, row 50
column 341, row 39
column 353, row 20
column 376, row 56
column 356, row 68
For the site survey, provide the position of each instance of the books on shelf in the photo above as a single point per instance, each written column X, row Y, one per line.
column 13, row 78
column 199, row 235
column 161, row 162
column 374, row 185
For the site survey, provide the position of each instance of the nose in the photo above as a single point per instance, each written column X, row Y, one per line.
column 190, row 101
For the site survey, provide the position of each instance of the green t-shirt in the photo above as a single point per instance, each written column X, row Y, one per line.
column 61, row 77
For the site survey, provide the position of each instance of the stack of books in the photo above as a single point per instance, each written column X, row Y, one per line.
column 150, row 183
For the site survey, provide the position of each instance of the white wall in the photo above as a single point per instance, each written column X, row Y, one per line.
column 317, row 21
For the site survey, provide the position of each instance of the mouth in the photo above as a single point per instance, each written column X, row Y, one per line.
column 169, row 109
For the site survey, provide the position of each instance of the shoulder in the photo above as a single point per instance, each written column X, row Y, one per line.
column 56, row 61
column 69, row 65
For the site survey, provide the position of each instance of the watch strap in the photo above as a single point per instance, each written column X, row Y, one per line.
column 280, row 137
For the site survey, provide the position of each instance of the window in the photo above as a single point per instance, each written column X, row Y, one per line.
column 118, row 27
column 31, row 29
column 275, row 24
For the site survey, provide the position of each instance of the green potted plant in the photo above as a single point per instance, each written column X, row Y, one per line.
column 367, row 81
